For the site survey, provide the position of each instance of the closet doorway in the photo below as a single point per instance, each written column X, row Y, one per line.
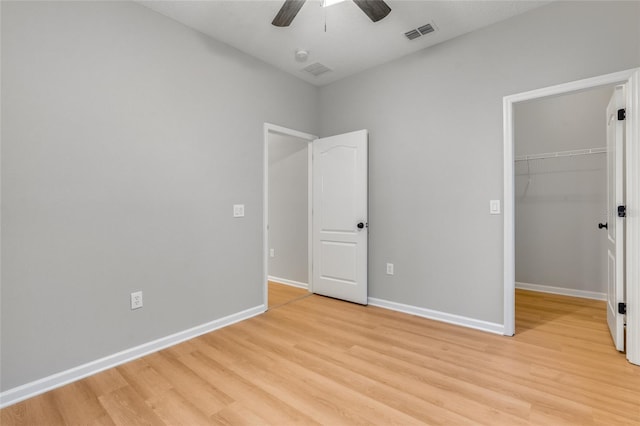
column 561, row 238
column 630, row 79
column 560, row 172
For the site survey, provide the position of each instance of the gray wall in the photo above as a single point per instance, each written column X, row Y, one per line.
column 559, row 201
column 288, row 207
column 126, row 139
column 435, row 123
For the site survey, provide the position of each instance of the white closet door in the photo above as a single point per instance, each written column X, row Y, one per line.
column 615, row 224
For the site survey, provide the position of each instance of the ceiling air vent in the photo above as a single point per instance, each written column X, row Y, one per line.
column 316, row 69
column 412, row 34
column 420, row 31
column 426, row 29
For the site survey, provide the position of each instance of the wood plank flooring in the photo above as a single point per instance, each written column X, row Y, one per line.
column 280, row 294
column 317, row 360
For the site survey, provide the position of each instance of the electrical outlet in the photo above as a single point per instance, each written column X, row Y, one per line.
column 136, row 300
column 238, row 210
column 272, row 252
column 389, row 268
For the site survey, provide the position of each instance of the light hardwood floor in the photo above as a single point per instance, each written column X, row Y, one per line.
column 280, row 294
column 321, row 361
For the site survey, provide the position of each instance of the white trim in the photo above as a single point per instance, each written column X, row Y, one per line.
column 310, row 217
column 62, row 378
column 508, row 158
column 562, row 291
column 620, row 77
column 630, row 77
column 632, row 225
column 273, row 128
column 489, row 327
column 285, row 281
column 509, row 234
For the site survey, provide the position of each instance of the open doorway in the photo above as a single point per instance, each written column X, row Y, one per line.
column 560, row 171
column 631, row 81
column 336, row 212
column 287, row 199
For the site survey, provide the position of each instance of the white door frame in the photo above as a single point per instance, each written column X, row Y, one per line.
column 275, row 129
column 632, row 235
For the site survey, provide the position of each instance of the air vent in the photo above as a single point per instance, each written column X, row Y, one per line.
column 316, row 69
column 420, row 31
column 412, row 34
column 426, row 29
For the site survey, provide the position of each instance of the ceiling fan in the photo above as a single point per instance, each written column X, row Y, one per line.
column 374, row 9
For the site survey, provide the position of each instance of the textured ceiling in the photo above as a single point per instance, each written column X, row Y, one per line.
column 351, row 42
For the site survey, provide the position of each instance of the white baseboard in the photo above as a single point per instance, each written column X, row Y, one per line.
column 562, row 291
column 439, row 316
column 37, row 387
column 288, row 282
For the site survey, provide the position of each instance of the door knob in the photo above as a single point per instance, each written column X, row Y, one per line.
column 603, row 225
column 360, row 225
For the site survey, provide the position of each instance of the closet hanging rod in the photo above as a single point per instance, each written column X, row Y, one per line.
column 557, row 154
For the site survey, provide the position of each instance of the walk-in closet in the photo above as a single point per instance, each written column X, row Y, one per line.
column 561, row 194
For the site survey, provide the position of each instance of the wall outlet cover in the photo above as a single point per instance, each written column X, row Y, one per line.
column 136, row 300
column 238, row 210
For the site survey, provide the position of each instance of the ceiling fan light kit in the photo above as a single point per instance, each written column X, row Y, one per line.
column 374, row 9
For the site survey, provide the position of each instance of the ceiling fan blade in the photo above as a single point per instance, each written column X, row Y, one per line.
column 374, row 9
column 287, row 12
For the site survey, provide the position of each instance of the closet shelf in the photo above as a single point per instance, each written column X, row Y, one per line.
column 557, row 154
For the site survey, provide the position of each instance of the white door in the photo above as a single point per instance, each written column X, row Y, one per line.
column 340, row 181
column 615, row 224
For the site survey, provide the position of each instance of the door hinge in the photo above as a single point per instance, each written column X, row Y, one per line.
column 622, row 211
column 622, row 114
column 622, row 308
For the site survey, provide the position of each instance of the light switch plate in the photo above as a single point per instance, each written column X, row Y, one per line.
column 238, row 210
column 389, row 268
column 494, row 206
